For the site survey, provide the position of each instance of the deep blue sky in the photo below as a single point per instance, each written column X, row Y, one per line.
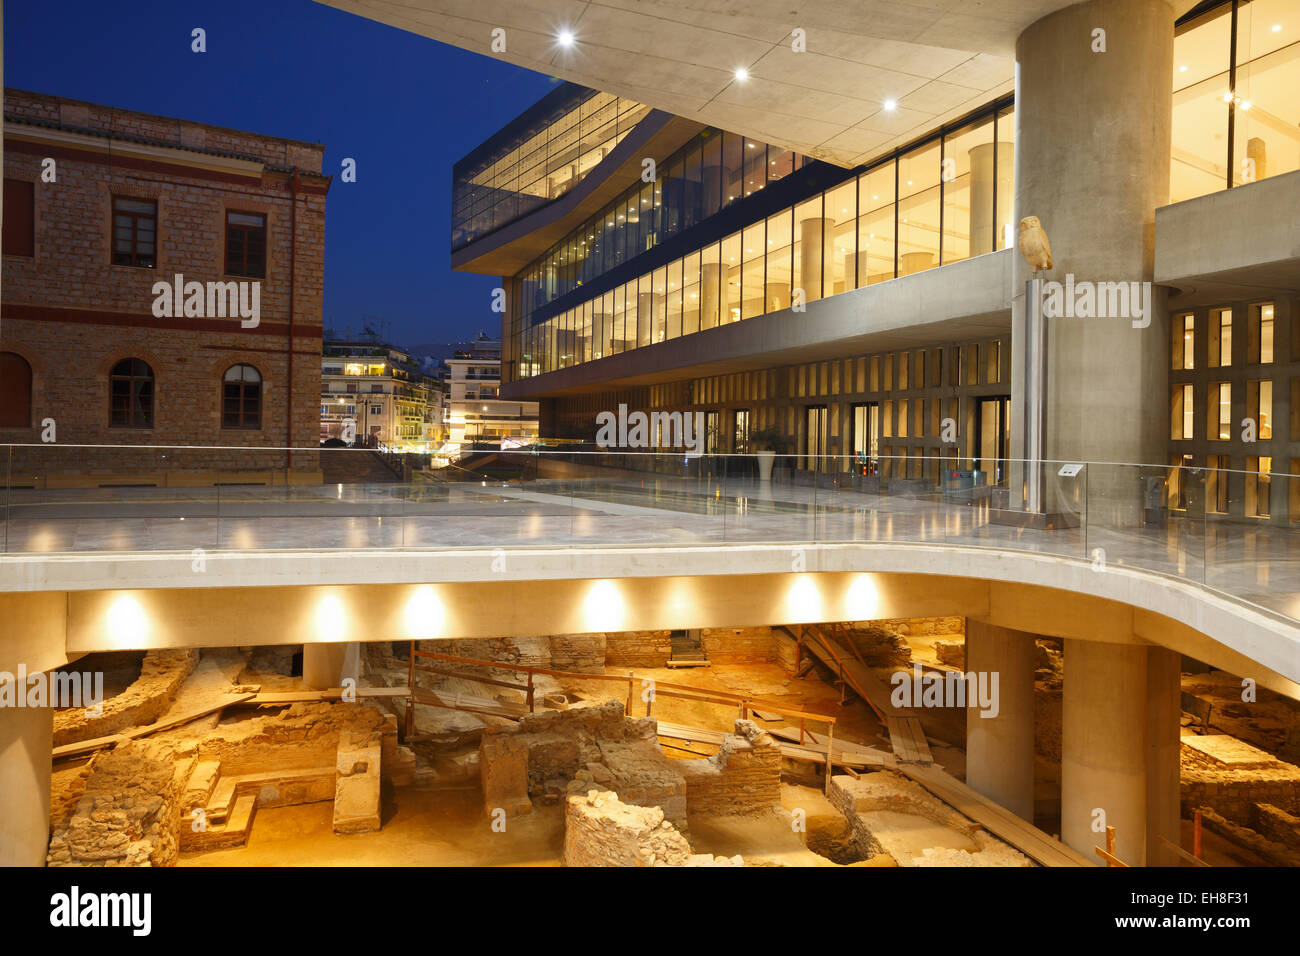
column 404, row 106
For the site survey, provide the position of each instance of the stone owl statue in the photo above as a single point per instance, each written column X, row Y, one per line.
column 1034, row 245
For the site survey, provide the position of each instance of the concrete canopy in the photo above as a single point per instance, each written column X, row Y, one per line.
column 935, row 59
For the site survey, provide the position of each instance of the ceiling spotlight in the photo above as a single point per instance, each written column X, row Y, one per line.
column 742, row 74
column 891, row 105
column 565, row 38
column 1277, row 28
column 1182, row 69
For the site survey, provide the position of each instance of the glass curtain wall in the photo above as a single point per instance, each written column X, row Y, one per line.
column 542, row 163
column 1236, row 115
column 947, row 199
column 712, row 171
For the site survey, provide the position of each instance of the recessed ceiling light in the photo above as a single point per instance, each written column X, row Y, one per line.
column 891, row 105
column 742, row 74
column 1277, row 28
column 1182, row 69
column 565, row 38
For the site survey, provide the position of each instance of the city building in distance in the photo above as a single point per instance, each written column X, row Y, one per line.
column 379, row 395
column 476, row 415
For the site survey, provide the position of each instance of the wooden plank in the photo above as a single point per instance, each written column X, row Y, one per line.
column 97, row 743
column 276, row 698
column 856, row 756
column 998, row 820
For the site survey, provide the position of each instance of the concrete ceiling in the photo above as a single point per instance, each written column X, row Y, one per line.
column 938, row 59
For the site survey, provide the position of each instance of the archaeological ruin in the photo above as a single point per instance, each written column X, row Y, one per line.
column 749, row 746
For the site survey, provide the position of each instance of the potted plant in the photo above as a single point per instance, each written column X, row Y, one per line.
column 767, row 444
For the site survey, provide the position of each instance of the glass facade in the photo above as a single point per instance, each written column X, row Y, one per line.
column 537, row 158
column 707, row 175
column 1236, row 118
column 940, row 201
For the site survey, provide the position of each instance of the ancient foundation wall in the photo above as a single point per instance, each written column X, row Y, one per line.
column 638, row 649
column 743, row 777
column 601, row 830
column 161, row 675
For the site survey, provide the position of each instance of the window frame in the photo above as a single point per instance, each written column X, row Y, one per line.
column 113, row 213
column 243, row 386
column 131, row 379
column 245, row 231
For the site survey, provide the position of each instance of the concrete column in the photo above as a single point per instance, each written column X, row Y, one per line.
column 1092, row 163
column 1000, row 749
column 325, row 666
column 816, row 246
column 1164, row 712
column 983, row 216
column 1103, row 748
column 26, row 745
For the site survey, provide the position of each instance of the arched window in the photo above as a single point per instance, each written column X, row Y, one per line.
column 15, row 391
column 241, row 397
column 131, row 394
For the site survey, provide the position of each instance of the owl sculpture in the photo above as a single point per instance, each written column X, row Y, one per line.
column 1034, row 245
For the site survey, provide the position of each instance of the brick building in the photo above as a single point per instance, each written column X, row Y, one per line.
column 103, row 209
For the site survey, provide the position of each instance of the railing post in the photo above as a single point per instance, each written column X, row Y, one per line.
column 801, row 732
column 1110, row 843
column 830, row 743
column 1196, row 834
column 530, row 692
column 410, row 687
column 628, row 709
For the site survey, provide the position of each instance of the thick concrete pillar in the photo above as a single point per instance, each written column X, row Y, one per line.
column 326, row 665
column 26, row 745
column 983, row 179
column 1092, row 163
column 1000, row 748
column 1164, row 712
column 1104, row 748
column 816, row 249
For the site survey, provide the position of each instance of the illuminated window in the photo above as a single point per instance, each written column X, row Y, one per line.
column 1220, row 338
column 1182, row 350
column 1218, row 421
column 1261, row 334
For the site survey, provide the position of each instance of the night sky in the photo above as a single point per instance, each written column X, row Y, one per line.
column 404, row 106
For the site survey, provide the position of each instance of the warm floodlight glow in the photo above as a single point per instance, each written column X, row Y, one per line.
column 128, row 624
column 742, row 74
column 423, row 615
column 565, row 39
column 803, row 601
column 603, row 608
column 862, row 602
column 891, row 105
column 331, row 619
